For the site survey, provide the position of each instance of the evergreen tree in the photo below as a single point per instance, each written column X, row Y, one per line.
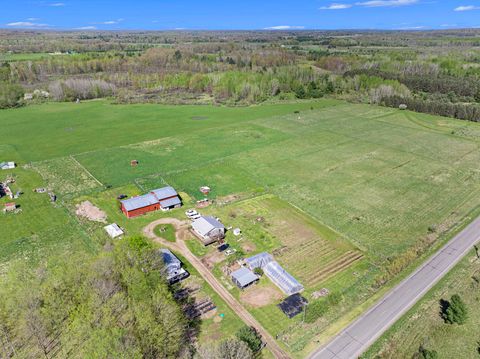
column 251, row 337
column 456, row 311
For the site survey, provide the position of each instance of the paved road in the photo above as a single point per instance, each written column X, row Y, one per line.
column 363, row 332
column 180, row 247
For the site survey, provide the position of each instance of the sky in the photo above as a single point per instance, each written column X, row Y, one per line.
column 239, row 15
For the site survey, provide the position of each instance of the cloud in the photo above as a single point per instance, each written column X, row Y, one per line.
column 336, row 7
column 467, row 8
column 56, row 4
column 386, row 3
column 421, row 27
column 109, row 22
column 33, row 19
column 26, row 24
column 370, row 3
column 285, row 27
column 86, row 28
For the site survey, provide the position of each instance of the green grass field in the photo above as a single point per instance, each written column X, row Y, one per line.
column 345, row 189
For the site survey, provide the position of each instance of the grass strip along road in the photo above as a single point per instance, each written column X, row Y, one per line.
column 363, row 332
column 180, row 247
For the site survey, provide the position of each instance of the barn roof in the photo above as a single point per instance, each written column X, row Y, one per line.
column 139, row 202
column 244, row 277
column 282, row 278
column 165, row 192
column 170, row 202
column 259, row 260
column 205, row 225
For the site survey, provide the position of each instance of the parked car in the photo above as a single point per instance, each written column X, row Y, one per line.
column 122, row 196
column 191, row 212
column 230, row 251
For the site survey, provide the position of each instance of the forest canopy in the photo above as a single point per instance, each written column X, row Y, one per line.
column 114, row 305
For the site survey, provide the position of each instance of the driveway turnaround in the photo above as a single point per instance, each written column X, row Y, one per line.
column 179, row 246
column 363, row 332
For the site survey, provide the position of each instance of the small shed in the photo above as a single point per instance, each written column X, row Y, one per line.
column 7, row 165
column 205, row 190
column 244, row 277
column 10, row 207
column 134, row 163
column 113, row 230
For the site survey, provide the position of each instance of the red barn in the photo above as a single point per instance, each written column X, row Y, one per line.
column 163, row 198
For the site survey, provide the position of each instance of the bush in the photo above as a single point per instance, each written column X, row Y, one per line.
column 251, row 337
column 83, row 89
column 258, row 271
column 10, row 95
column 456, row 311
column 426, row 354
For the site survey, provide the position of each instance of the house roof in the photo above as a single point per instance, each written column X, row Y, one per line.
column 113, row 230
column 259, row 260
column 205, row 225
column 172, row 263
column 165, row 192
column 244, row 276
column 139, row 202
column 170, row 202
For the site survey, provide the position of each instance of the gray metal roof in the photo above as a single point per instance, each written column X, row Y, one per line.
column 170, row 202
column 282, row 278
column 165, row 192
column 259, row 260
column 205, row 225
column 139, row 202
column 244, row 276
column 169, row 258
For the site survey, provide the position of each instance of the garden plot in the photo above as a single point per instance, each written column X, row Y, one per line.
column 65, row 175
column 310, row 251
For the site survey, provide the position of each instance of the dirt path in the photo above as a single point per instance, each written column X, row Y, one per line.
column 180, row 247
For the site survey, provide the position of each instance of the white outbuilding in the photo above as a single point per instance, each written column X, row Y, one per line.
column 7, row 165
column 113, row 230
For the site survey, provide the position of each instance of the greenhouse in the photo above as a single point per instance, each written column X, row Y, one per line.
column 281, row 278
column 259, row 261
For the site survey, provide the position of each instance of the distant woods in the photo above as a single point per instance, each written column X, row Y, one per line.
column 432, row 72
column 116, row 305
